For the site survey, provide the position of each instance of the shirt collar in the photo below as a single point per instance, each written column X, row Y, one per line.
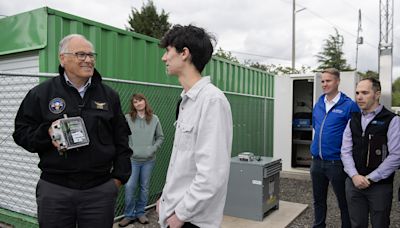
column 72, row 85
column 334, row 100
column 196, row 88
column 376, row 111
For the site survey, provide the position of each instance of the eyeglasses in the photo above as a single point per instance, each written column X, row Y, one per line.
column 82, row 55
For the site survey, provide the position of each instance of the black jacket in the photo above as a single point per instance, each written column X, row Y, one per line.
column 108, row 154
column 370, row 146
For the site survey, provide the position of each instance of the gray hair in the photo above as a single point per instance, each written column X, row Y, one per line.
column 63, row 45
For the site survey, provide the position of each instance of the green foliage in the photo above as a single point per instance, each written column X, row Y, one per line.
column 396, row 99
column 277, row 69
column 148, row 22
column 332, row 54
column 369, row 74
column 396, row 93
column 226, row 55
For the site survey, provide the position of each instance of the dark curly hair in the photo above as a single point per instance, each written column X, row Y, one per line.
column 196, row 39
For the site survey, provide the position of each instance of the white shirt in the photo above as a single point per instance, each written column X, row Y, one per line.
column 330, row 104
column 82, row 89
column 198, row 172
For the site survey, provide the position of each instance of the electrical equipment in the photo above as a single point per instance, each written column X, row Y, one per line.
column 246, row 156
column 253, row 188
column 70, row 132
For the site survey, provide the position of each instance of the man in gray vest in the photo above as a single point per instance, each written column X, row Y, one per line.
column 370, row 155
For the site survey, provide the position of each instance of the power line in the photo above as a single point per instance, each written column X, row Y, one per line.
column 259, row 55
column 331, row 23
column 364, row 16
column 341, row 29
column 262, row 56
column 368, row 18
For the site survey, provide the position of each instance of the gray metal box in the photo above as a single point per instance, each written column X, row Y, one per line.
column 253, row 188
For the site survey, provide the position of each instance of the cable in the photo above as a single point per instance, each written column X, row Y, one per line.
column 331, row 23
column 364, row 16
column 263, row 56
column 259, row 55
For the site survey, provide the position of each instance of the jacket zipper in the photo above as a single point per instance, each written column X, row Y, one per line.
column 369, row 147
column 322, row 126
column 320, row 136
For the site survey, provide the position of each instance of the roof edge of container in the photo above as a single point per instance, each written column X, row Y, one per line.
column 32, row 36
column 99, row 24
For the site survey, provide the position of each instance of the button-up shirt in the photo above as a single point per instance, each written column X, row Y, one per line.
column 198, row 172
column 82, row 89
column 390, row 164
column 331, row 103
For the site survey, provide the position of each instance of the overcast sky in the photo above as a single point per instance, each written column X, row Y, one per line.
column 259, row 30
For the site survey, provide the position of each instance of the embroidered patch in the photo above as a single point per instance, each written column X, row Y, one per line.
column 100, row 105
column 376, row 122
column 337, row 110
column 57, row 105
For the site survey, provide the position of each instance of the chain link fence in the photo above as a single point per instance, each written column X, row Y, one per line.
column 19, row 172
column 253, row 122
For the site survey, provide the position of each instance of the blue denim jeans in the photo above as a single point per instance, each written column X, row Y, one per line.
column 141, row 174
column 323, row 172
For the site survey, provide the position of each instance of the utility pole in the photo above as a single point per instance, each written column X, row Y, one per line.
column 294, row 11
column 359, row 40
column 294, row 37
column 386, row 50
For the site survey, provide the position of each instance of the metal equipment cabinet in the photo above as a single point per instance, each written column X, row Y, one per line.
column 253, row 188
column 295, row 97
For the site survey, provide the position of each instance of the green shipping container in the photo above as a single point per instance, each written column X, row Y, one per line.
column 132, row 63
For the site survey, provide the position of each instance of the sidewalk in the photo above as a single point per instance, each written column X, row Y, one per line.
column 280, row 218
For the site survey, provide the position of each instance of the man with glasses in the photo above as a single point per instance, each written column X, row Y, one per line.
column 78, row 187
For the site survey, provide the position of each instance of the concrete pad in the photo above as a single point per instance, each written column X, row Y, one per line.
column 280, row 218
column 298, row 173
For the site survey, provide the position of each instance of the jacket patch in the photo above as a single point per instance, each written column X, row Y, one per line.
column 336, row 110
column 377, row 122
column 57, row 105
column 100, row 105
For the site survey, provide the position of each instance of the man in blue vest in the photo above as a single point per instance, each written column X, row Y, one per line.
column 370, row 155
column 330, row 116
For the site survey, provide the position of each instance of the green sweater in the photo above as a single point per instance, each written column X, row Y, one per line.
column 145, row 138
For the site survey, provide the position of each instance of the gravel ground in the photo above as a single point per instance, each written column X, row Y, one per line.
column 299, row 190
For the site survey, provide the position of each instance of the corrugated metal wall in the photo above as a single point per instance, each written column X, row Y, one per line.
column 130, row 56
column 18, row 172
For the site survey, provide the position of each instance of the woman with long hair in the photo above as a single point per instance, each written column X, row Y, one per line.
column 146, row 138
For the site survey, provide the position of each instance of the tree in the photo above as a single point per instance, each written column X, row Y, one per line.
column 148, row 21
column 226, row 55
column 332, row 54
column 370, row 74
column 277, row 69
column 396, row 92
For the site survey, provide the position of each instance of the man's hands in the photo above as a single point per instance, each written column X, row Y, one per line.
column 360, row 182
column 174, row 222
column 56, row 143
column 118, row 183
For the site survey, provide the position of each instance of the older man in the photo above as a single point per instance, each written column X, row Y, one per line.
column 77, row 187
column 370, row 155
